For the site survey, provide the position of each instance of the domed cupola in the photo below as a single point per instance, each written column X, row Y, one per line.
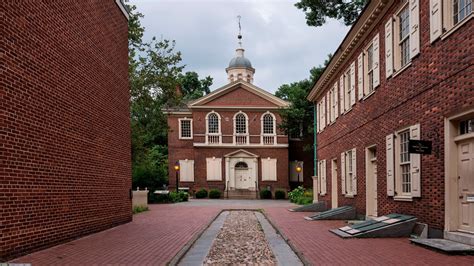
column 240, row 67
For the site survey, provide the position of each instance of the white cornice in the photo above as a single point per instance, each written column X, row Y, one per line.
column 122, row 8
column 231, row 145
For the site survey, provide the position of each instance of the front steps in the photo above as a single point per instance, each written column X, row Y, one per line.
column 391, row 225
column 455, row 243
column 241, row 194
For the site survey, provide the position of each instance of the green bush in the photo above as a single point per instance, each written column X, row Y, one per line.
column 178, row 196
column 184, row 196
column 201, row 194
column 214, row 194
column 280, row 194
column 138, row 209
column 158, row 198
column 265, row 194
column 304, row 201
column 295, row 194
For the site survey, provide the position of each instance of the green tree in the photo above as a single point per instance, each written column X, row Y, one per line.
column 318, row 11
column 297, row 120
column 192, row 87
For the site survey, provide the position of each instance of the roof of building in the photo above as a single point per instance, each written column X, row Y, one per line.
column 240, row 61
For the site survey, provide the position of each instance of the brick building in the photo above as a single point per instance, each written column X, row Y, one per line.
column 403, row 72
column 230, row 139
column 65, row 167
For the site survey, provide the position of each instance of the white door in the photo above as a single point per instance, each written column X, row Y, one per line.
column 334, row 184
column 466, row 185
column 371, row 183
column 242, row 177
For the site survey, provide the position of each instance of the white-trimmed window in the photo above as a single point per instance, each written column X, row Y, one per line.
column 213, row 128
column 403, row 168
column 349, row 173
column 268, row 136
column 186, row 170
column 369, row 73
column 185, row 128
column 370, row 68
column 402, row 37
column 446, row 15
column 347, row 90
column 214, row 169
column 322, row 177
column 269, row 169
column 241, row 128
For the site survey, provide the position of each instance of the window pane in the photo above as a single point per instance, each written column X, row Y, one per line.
column 185, row 128
column 461, row 9
column 213, row 123
column 268, row 124
column 240, row 124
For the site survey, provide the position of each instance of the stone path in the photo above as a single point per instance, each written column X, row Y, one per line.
column 240, row 241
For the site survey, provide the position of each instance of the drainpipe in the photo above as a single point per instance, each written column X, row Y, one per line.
column 315, row 158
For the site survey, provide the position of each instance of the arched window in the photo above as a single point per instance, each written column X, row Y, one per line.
column 240, row 124
column 241, row 165
column 268, row 124
column 212, row 123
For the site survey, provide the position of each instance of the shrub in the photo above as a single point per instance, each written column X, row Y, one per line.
column 304, row 201
column 280, row 194
column 178, row 196
column 202, row 193
column 138, row 209
column 183, row 195
column 265, row 194
column 158, row 198
column 308, row 193
column 214, row 194
column 295, row 194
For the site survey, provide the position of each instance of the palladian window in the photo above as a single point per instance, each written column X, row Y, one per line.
column 268, row 129
column 213, row 135
column 240, row 129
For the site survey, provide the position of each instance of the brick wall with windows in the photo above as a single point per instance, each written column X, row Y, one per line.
column 436, row 82
column 64, row 122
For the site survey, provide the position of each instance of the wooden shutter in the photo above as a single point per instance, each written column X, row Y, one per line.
column 317, row 117
column 390, row 166
column 414, row 28
column 415, row 164
column 343, row 173
column 324, row 112
column 354, row 172
column 323, row 177
column 436, row 25
column 352, row 88
column 336, row 100
column 375, row 45
column 269, row 169
column 360, row 76
column 328, row 108
column 186, row 170
column 389, row 48
column 342, row 94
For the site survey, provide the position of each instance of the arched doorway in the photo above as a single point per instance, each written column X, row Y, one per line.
column 242, row 177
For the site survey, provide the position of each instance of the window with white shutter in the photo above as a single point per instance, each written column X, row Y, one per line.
column 406, row 34
column 445, row 15
column 322, row 177
column 352, row 81
column 360, row 76
column 214, row 169
column 414, row 28
column 269, row 169
column 436, row 18
column 336, row 100
column 403, row 168
column 186, row 170
column 343, row 173
column 342, row 94
column 349, row 173
column 389, row 48
column 371, row 61
column 348, row 90
column 376, row 61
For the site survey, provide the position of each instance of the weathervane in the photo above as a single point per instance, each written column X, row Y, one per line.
column 240, row 32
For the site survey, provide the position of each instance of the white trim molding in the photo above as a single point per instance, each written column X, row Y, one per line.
column 122, row 8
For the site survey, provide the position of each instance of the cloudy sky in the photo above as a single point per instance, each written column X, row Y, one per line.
column 281, row 47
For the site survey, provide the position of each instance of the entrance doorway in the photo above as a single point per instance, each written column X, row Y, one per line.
column 371, row 181
column 334, row 184
column 242, row 177
column 466, row 185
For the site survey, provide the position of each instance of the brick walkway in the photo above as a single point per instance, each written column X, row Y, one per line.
column 154, row 237
column 321, row 247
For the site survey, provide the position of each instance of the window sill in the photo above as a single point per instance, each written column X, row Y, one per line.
column 396, row 73
column 349, row 196
column 403, row 198
column 456, row 27
column 185, row 138
column 347, row 111
column 368, row 95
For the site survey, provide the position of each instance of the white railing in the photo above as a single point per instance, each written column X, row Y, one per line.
column 213, row 139
column 241, row 139
column 268, row 140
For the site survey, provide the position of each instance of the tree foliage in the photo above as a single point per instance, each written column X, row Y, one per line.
column 298, row 119
column 318, row 11
column 155, row 74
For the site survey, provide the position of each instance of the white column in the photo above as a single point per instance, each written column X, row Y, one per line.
column 315, row 189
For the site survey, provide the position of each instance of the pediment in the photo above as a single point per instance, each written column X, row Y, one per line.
column 239, row 94
column 241, row 154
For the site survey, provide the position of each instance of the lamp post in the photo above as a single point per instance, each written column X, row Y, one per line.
column 176, row 168
column 298, row 170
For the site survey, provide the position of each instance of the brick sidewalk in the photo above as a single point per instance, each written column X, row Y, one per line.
column 154, row 237
column 321, row 247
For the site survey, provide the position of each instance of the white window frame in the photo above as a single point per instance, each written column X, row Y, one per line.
column 397, row 41
column 190, row 126
column 264, row 135
column 349, row 173
column 348, row 90
column 399, row 164
column 246, row 134
column 219, row 133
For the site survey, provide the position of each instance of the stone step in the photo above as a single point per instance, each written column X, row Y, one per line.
column 444, row 245
column 460, row 237
column 241, row 194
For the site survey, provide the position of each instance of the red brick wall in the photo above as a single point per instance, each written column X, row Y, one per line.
column 240, row 97
column 65, row 167
column 438, row 84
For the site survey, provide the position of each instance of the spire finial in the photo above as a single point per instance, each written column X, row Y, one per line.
column 240, row 32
